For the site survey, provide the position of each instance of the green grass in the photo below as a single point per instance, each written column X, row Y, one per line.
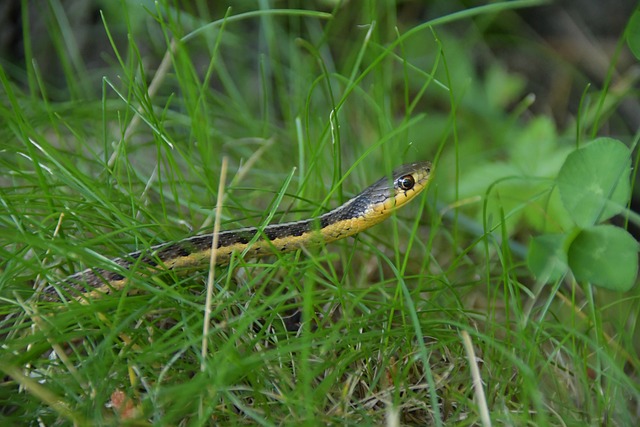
column 309, row 108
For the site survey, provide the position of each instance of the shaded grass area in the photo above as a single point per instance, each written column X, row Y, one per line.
column 309, row 107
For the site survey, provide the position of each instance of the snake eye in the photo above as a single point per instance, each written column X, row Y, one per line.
column 406, row 182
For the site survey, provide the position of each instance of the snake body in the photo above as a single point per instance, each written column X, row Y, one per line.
column 370, row 207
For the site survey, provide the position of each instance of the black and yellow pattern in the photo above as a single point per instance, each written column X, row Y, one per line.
column 373, row 205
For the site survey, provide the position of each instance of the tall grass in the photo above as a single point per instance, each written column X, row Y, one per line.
column 309, row 107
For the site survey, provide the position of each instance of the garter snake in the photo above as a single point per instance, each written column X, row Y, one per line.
column 371, row 206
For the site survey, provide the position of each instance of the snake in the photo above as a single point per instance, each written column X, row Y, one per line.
column 370, row 207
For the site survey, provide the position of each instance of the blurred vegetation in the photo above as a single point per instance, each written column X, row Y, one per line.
column 114, row 117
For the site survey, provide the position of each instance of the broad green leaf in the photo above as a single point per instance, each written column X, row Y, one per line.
column 534, row 146
column 502, row 86
column 606, row 256
column 547, row 258
column 548, row 214
column 633, row 34
column 594, row 181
